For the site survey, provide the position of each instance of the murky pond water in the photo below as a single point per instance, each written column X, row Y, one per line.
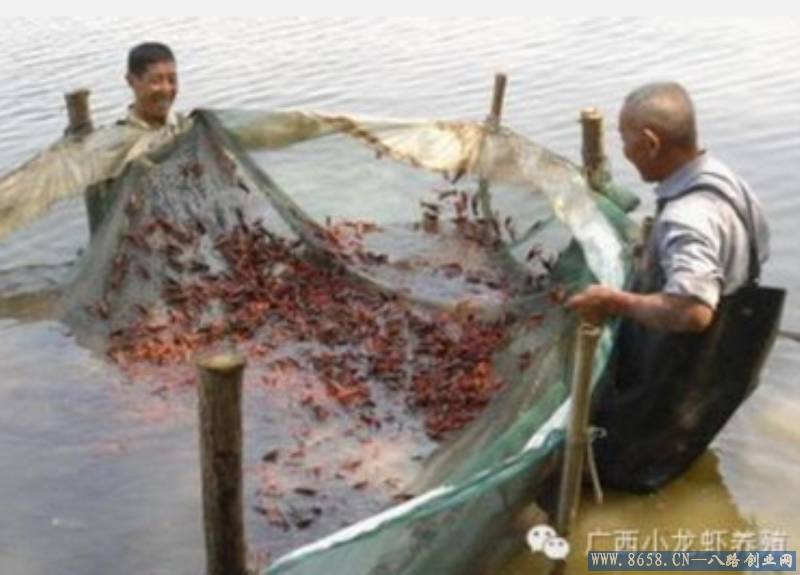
column 99, row 477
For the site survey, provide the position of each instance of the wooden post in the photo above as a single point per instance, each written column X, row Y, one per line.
column 492, row 124
column 80, row 115
column 577, row 431
column 80, row 124
column 220, row 398
column 498, row 95
column 593, row 151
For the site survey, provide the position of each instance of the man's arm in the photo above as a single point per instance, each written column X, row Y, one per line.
column 657, row 311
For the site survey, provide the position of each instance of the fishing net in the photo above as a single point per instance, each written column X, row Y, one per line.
column 393, row 285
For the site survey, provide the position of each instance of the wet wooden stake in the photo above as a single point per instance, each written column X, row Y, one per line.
column 578, row 428
column 220, row 399
column 492, row 124
column 498, row 95
column 593, row 150
column 79, row 113
column 80, row 124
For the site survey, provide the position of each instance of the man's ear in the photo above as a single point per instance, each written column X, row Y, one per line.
column 652, row 143
column 129, row 79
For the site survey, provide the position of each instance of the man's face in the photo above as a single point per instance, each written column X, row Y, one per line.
column 155, row 91
column 640, row 150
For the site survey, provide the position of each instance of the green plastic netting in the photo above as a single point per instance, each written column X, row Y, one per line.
column 208, row 236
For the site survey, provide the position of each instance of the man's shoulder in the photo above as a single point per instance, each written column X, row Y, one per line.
column 699, row 200
column 130, row 120
column 717, row 174
column 176, row 121
column 711, row 191
column 714, row 164
column 181, row 120
column 698, row 214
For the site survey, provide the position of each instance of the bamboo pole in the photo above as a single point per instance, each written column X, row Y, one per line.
column 220, row 411
column 577, row 431
column 593, row 150
column 492, row 124
column 79, row 113
column 595, row 167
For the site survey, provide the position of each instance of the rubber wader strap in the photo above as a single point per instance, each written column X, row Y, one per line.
column 754, row 265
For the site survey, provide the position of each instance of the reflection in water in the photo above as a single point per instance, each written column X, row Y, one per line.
column 29, row 306
column 693, row 512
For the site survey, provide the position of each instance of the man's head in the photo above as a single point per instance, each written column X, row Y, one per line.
column 154, row 81
column 657, row 126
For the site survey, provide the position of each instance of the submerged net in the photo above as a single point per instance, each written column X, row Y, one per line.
column 400, row 320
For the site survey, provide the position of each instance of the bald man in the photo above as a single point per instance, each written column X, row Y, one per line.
column 699, row 248
column 689, row 346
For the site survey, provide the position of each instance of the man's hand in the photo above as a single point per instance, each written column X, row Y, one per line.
column 661, row 311
column 596, row 303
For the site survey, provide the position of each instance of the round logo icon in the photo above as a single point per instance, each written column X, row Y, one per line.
column 556, row 548
column 543, row 538
column 538, row 535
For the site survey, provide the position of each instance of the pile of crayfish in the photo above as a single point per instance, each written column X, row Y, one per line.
column 272, row 293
